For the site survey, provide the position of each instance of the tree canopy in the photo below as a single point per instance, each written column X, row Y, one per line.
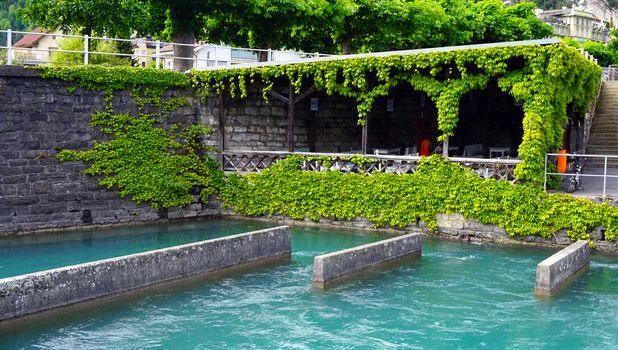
column 331, row 26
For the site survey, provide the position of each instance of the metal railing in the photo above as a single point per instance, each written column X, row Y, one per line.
column 592, row 109
column 603, row 175
column 588, row 56
column 159, row 54
column 255, row 161
column 610, row 73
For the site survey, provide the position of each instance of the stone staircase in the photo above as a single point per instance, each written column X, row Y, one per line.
column 604, row 131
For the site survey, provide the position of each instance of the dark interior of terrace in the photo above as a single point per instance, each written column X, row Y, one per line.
column 403, row 123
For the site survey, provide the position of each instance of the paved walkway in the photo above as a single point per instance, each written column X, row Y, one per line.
column 593, row 186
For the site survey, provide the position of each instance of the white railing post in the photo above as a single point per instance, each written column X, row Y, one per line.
column 270, row 57
column 605, row 177
column 9, row 47
column 158, row 54
column 215, row 54
column 86, row 49
column 545, row 176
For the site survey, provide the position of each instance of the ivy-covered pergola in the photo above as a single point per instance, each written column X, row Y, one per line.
column 545, row 76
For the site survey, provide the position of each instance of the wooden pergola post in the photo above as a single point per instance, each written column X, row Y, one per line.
column 221, row 128
column 291, row 101
column 365, row 135
column 291, row 104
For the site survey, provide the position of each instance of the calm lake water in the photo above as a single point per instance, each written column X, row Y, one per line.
column 456, row 295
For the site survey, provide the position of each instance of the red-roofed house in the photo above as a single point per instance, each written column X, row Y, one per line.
column 35, row 47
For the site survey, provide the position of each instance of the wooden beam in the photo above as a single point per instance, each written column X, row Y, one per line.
column 278, row 96
column 304, row 95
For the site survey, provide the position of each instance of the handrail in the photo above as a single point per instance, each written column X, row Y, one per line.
column 612, row 72
column 242, row 161
column 372, row 156
column 592, row 108
column 222, row 54
column 605, row 176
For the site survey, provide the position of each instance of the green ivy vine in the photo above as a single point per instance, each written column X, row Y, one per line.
column 164, row 167
column 550, row 78
column 143, row 157
column 146, row 84
column 437, row 187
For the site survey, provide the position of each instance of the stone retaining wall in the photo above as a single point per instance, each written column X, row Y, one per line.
column 35, row 292
column 38, row 118
column 329, row 268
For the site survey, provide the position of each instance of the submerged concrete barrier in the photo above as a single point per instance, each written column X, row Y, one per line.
column 35, row 292
column 557, row 270
column 329, row 268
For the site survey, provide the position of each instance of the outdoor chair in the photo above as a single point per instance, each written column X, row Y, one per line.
column 473, row 151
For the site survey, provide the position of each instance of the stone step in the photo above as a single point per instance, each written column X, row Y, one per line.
column 606, row 110
column 605, row 105
column 600, row 163
column 598, row 150
column 605, row 113
column 603, row 139
column 604, row 122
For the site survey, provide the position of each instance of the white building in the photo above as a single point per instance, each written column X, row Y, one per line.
column 215, row 55
column 577, row 22
column 35, row 48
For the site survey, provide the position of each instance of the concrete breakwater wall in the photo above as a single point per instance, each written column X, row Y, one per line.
column 329, row 268
column 557, row 270
column 35, row 292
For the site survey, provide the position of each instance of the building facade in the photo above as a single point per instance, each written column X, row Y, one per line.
column 578, row 22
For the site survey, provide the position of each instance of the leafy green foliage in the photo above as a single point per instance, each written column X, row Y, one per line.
column 77, row 44
column 149, row 81
column 165, row 166
column 551, row 78
column 401, row 200
column 149, row 163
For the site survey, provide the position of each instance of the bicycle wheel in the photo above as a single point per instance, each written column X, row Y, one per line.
column 569, row 185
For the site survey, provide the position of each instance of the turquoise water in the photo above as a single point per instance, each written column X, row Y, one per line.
column 457, row 295
column 30, row 253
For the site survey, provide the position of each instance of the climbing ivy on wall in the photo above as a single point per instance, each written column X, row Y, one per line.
column 164, row 167
column 144, row 157
column 550, row 78
column 437, row 187
column 146, row 84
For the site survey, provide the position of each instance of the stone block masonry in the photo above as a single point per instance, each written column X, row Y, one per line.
column 40, row 291
column 557, row 270
column 38, row 118
column 335, row 266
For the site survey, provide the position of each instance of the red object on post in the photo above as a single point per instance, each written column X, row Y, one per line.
column 562, row 161
column 425, row 147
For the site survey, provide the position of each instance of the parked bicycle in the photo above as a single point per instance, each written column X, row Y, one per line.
column 572, row 183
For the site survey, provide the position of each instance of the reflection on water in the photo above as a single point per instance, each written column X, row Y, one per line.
column 456, row 296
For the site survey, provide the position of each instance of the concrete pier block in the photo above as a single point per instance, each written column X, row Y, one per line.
column 329, row 268
column 560, row 268
column 31, row 293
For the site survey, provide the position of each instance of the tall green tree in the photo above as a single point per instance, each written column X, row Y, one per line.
column 495, row 22
column 179, row 20
column 10, row 19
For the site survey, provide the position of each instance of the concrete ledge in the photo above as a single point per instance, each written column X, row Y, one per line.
column 560, row 268
column 329, row 268
column 17, row 71
column 35, row 292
